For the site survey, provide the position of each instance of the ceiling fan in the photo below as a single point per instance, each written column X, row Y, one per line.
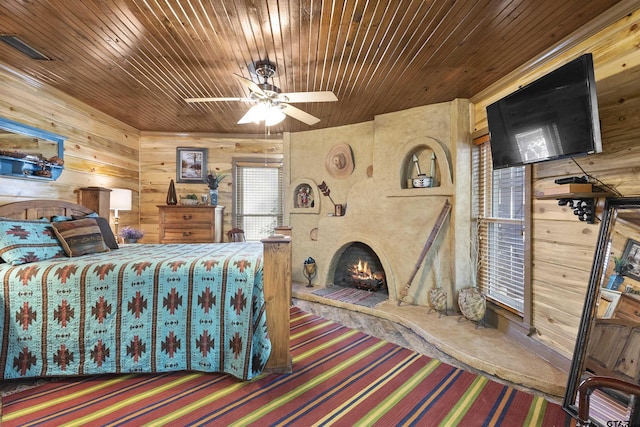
column 271, row 104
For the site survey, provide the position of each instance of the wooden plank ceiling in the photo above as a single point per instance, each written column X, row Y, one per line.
column 136, row 60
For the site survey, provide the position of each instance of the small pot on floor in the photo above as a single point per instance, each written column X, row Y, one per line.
column 472, row 304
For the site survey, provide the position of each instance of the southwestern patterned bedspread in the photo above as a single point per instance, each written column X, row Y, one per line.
column 141, row 308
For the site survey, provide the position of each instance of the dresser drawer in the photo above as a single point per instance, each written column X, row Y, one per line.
column 180, row 224
column 187, row 235
column 186, row 215
column 628, row 308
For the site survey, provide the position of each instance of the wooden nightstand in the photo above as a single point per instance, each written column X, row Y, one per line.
column 187, row 224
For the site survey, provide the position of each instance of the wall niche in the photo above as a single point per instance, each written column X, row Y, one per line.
column 423, row 170
column 305, row 198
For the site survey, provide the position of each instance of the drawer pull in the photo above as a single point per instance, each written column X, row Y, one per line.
column 186, row 233
column 186, row 217
column 637, row 313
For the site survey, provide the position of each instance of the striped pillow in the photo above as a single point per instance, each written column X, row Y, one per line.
column 23, row 241
column 80, row 237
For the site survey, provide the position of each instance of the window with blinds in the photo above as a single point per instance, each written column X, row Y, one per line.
column 500, row 208
column 257, row 199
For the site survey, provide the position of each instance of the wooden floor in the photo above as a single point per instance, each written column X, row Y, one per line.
column 396, row 333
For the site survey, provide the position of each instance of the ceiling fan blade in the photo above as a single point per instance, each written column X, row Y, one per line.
column 216, row 99
column 321, row 96
column 253, row 87
column 298, row 114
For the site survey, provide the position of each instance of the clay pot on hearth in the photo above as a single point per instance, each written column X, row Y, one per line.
column 472, row 303
column 438, row 298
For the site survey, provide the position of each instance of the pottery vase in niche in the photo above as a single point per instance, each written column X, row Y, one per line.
column 172, row 198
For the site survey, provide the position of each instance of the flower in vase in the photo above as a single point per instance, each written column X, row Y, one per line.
column 214, row 178
column 131, row 233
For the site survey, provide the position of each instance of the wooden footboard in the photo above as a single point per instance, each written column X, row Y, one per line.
column 277, row 293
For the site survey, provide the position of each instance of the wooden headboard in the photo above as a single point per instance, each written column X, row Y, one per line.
column 35, row 209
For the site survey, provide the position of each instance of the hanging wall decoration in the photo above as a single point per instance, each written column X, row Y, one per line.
column 191, row 165
column 339, row 161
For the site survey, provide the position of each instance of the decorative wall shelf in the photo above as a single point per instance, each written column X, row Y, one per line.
column 20, row 168
column 575, row 196
column 583, row 204
column 28, row 152
column 441, row 190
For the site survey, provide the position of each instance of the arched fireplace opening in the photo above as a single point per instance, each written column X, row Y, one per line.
column 359, row 267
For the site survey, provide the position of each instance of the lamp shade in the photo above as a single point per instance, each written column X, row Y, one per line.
column 270, row 113
column 120, row 199
column 273, row 116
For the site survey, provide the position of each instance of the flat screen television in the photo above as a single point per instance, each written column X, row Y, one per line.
column 551, row 118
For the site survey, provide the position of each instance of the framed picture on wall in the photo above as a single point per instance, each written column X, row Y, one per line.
column 191, row 165
column 632, row 255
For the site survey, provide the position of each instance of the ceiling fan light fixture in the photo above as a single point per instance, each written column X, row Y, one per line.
column 256, row 113
column 272, row 106
column 274, row 115
column 263, row 111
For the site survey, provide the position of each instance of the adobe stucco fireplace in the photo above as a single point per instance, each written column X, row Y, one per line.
column 384, row 211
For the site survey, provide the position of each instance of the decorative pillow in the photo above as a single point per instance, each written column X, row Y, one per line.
column 109, row 239
column 23, row 241
column 80, row 237
column 107, row 235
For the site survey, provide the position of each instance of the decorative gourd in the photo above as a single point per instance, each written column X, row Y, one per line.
column 438, row 299
column 472, row 303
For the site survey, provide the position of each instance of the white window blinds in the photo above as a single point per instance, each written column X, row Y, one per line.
column 257, row 197
column 499, row 213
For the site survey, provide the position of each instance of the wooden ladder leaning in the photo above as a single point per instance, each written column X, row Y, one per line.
column 444, row 214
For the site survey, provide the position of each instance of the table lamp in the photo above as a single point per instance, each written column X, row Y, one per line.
column 120, row 200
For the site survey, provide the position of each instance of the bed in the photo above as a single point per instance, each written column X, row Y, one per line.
column 143, row 307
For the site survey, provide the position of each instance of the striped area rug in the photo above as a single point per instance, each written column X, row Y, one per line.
column 341, row 377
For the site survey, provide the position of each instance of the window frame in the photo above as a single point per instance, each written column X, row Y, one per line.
column 255, row 163
column 481, row 218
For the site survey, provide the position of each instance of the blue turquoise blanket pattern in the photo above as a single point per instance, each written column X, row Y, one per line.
column 141, row 308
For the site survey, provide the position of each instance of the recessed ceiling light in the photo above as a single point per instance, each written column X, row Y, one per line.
column 23, row 47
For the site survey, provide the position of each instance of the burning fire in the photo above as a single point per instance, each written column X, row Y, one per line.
column 363, row 278
column 362, row 271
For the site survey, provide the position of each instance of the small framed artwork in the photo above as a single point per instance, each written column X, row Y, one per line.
column 191, row 165
column 632, row 255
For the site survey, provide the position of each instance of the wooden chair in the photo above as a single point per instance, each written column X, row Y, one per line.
column 596, row 382
column 236, row 235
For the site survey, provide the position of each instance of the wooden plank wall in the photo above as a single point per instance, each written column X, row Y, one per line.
column 563, row 247
column 99, row 150
column 158, row 168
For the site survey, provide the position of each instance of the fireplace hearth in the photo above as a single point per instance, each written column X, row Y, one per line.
column 359, row 267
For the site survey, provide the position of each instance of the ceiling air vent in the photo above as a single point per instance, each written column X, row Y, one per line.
column 18, row 44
